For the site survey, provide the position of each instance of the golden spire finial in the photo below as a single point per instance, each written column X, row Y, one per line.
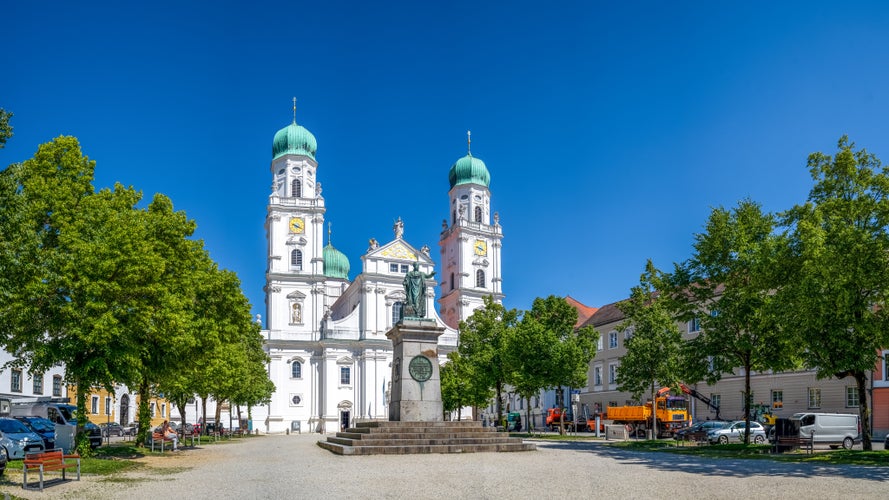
column 469, row 142
column 294, row 110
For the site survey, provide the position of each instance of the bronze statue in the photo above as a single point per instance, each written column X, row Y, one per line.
column 415, row 289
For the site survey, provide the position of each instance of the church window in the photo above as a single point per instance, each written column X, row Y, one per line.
column 345, row 375
column 397, row 311
column 454, row 217
column 404, row 268
column 452, row 281
column 296, row 370
column 480, row 278
column 296, row 259
column 478, row 214
column 296, row 188
column 393, row 268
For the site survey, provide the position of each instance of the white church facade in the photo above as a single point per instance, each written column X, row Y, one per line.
column 330, row 359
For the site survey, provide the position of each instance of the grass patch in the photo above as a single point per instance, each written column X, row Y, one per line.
column 762, row 451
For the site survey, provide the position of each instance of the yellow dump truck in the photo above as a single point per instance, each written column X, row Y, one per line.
column 672, row 415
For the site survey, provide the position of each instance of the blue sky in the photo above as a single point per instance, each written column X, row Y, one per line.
column 610, row 129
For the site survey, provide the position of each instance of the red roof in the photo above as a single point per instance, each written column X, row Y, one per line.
column 584, row 312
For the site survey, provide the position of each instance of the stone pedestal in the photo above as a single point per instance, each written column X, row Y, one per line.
column 416, row 382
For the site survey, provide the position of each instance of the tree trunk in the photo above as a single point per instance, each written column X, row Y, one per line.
column 653, row 411
column 144, row 412
column 203, row 415
column 747, row 400
column 500, row 404
column 863, row 410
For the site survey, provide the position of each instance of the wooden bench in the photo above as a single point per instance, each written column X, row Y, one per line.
column 158, row 437
column 807, row 443
column 45, row 461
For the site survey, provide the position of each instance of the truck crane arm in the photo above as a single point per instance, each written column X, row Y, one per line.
column 704, row 399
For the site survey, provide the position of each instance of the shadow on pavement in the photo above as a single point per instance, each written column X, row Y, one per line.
column 729, row 467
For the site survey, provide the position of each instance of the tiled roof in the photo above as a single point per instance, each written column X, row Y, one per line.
column 584, row 312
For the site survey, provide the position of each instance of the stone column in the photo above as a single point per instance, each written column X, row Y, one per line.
column 416, row 382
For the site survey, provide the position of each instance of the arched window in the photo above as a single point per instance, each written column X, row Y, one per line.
column 296, row 370
column 296, row 259
column 454, row 217
column 452, row 281
column 397, row 311
column 480, row 278
column 478, row 214
column 296, row 188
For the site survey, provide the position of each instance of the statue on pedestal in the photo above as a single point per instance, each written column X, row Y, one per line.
column 415, row 290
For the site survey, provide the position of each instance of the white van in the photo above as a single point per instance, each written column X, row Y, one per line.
column 833, row 429
column 61, row 415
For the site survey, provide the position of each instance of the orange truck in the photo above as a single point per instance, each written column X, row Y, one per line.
column 586, row 422
column 672, row 415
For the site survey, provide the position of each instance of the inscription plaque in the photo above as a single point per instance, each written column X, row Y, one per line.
column 420, row 368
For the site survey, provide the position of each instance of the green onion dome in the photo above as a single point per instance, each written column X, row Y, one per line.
column 294, row 140
column 469, row 170
column 336, row 264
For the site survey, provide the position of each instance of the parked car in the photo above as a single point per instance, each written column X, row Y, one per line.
column 189, row 428
column 3, row 460
column 112, row 429
column 43, row 428
column 18, row 439
column 94, row 433
column 704, row 426
column 735, row 432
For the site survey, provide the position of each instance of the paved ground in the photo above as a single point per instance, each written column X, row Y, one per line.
column 295, row 467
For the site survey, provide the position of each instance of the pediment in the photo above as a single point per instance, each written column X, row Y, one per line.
column 296, row 294
column 399, row 250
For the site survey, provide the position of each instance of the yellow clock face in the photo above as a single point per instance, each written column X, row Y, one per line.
column 481, row 247
column 297, row 225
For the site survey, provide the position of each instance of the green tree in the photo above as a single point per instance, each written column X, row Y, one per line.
column 735, row 270
column 483, row 337
column 548, row 351
column 5, row 127
column 460, row 386
column 835, row 296
column 72, row 263
column 654, row 344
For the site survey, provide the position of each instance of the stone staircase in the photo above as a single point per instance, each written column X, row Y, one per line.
column 405, row 438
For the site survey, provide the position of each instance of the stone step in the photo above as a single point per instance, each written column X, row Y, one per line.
column 399, row 438
column 418, row 434
column 418, row 441
column 423, row 449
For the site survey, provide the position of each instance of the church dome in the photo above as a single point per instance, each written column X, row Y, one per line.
column 336, row 264
column 294, row 140
column 469, row 170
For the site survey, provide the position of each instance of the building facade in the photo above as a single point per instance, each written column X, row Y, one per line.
column 330, row 359
column 784, row 393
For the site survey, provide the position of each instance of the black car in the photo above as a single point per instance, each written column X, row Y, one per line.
column 42, row 427
column 95, row 434
column 112, row 429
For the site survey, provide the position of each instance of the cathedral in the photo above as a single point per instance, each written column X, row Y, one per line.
column 326, row 333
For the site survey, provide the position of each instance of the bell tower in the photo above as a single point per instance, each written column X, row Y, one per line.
column 295, row 233
column 470, row 242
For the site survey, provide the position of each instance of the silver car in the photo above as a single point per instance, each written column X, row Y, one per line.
column 735, row 433
column 17, row 439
